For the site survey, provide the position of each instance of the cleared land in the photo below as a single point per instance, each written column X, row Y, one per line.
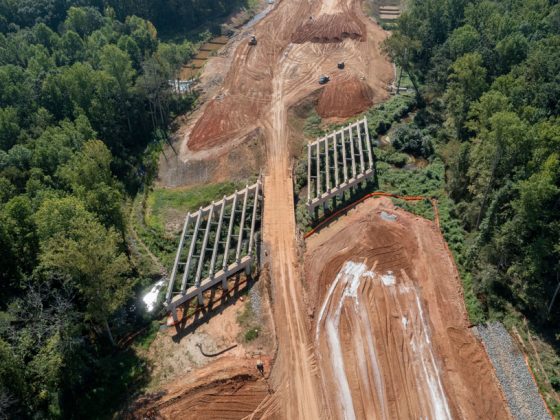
column 390, row 326
column 429, row 365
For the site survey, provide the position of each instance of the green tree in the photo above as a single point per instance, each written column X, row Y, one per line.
column 9, row 127
column 90, row 256
column 401, row 49
column 83, row 20
column 467, row 82
column 89, row 176
column 117, row 63
column 495, row 155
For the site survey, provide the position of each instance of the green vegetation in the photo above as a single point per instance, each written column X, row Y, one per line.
column 85, row 108
column 381, row 117
column 413, row 141
column 486, row 77
column 312, row 126
column 161, row 202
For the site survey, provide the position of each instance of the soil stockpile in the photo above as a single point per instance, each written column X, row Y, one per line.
column 390, row 325
column 344, row 97
column 329, row 28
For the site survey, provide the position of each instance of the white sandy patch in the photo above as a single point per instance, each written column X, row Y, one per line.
column 388, row 278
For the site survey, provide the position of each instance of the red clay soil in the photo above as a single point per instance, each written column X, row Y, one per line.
column 344, row 97
column 329, row 28
column 226, row 389
column 224, row 118
column 246, row 97
column 390, row 325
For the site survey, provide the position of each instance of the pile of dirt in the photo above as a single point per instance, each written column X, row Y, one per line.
column 291, row 53
column 224, row 118
column 345, row 97
column 329, row 28
column 390, row 324
column 226, row 389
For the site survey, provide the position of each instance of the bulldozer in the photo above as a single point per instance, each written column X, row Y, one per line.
column 253, row 40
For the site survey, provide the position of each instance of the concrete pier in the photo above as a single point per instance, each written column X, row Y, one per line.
column 357, row 157
column 204, row 256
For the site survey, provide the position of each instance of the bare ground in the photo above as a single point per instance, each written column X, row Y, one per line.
column 390, row 321
column 431, row 365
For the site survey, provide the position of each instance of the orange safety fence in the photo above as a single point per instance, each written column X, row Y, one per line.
column 433, row 201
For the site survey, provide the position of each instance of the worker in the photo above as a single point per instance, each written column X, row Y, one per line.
column 260, row 367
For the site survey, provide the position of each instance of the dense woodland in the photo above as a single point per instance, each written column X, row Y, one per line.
column 489, row 79
column 84, row 99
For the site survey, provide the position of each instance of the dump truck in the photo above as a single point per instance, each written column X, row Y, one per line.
column 253, row 40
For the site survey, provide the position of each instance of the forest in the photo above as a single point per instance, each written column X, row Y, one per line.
column 487, row 81
column 84, row 103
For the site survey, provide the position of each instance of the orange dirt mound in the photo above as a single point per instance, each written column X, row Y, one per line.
column 344, row 98
column 226, row 389
column 329, row 28
column 390, row 322
column 221, row 121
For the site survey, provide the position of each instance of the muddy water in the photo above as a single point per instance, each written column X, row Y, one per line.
column 192, row 68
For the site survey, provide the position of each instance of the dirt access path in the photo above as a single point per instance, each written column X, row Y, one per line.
column 297, row 42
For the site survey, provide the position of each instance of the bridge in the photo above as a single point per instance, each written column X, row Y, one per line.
column 217, row 242
column 337, row 162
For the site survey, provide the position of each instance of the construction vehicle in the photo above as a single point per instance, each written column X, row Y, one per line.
column 324, row 79
column 341, row 65
column 253, row 40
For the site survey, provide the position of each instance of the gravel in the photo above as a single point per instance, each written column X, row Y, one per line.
column 513, row 373
column 255, row 302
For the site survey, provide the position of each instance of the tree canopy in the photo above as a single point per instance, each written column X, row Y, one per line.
column 493, row 68
column 83, row 93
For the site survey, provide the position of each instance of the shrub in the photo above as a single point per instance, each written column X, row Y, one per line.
column 411, row 140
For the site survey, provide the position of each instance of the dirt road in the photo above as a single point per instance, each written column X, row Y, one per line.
column 295, row 76
column 297, row 42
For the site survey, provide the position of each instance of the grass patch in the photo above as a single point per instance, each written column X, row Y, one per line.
column 162, row 202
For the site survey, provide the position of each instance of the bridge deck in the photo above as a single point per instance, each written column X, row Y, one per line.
column 338, row 161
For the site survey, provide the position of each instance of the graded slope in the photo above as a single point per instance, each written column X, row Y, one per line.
column 338, row 31
column 226, row 389
column 390, row 326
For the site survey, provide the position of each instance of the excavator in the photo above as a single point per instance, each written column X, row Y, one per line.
column 253, row 40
